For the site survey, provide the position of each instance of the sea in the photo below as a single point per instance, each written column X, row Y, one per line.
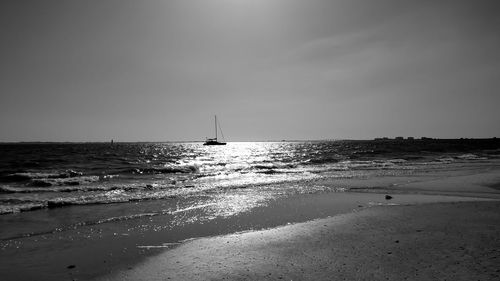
column 55, row 175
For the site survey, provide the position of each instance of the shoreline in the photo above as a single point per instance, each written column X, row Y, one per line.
column 87, row 253
column 448, row 248
column 123, row 247
column 380, row 243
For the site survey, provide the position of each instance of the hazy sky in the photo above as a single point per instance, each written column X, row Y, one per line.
column 270, row 69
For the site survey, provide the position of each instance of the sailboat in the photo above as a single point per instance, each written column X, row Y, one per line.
column 214, row 141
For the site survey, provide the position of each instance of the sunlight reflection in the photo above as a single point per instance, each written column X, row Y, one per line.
column 220, row 205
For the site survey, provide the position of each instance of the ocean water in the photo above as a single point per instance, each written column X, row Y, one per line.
column 34, row 176
column 39, row 176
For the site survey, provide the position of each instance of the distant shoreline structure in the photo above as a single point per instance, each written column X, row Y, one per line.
column 427, row 138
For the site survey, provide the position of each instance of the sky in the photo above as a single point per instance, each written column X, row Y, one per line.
column 128, row 70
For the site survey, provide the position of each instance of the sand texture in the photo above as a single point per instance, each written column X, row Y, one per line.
column 437, row 241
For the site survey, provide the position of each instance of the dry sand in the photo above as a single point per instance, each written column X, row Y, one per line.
column 439, row 241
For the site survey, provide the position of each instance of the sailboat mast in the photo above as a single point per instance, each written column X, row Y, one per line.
column 215, row 127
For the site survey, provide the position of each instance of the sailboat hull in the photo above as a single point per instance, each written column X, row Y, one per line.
column 214, row 143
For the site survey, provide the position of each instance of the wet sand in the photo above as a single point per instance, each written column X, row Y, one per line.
column 430, row 238
column 445, row 241
column 88, row 252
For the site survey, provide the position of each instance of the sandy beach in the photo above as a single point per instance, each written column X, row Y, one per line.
column 445, row 241
column 425, row 238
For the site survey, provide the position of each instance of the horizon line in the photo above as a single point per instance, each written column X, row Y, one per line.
column 280, row 140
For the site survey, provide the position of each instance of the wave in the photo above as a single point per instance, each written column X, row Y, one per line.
column 470, row 156
column 63, row 181
column 462, row 157
column 24, row 176
column 109, row 194
column 91, row 195
column 72, row 177
column 24, row 207
column 77, row 188
column 11, row 205
column 323, row 160
column 168, row 169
